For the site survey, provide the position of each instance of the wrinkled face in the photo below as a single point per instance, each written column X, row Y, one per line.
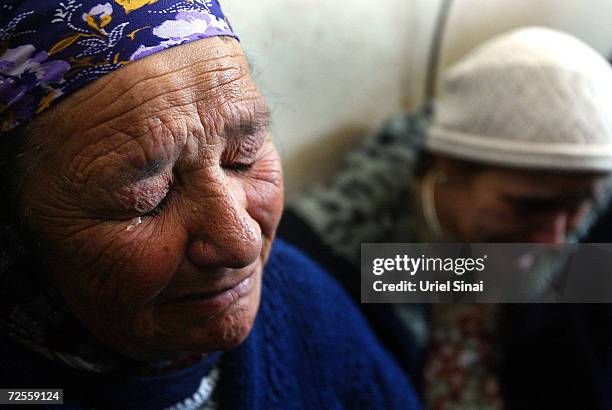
column 157, row 198
column 507, row 205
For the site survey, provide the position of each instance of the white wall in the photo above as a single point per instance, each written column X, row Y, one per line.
column 333, row 69
column 329, row 69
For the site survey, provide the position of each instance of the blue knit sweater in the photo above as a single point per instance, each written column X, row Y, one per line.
column 309, row 348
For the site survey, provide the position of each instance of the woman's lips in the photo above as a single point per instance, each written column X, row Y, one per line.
column 211, row 303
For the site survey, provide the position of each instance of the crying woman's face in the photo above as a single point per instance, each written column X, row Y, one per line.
column 156, row 200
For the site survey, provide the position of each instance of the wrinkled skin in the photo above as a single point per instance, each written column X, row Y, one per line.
column 179, row 139
column 496, row 204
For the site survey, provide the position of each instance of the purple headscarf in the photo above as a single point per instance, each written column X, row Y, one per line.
column 52, row 48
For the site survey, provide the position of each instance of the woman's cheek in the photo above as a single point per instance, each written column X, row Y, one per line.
column 264, row 191
column 123, row 264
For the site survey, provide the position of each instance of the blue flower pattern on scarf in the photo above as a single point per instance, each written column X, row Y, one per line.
column 53, row 48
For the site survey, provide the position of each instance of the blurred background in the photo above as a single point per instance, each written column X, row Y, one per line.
column 332, row 70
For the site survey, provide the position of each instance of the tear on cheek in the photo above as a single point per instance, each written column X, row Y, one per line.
column 134, row 224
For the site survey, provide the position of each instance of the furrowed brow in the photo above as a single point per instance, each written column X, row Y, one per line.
column 255, row 124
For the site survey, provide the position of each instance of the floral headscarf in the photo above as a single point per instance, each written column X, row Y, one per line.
column 49, row 49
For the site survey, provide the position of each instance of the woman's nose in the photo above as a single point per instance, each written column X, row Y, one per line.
column 552, row 229
column 224, row 234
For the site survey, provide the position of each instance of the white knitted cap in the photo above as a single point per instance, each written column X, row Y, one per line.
column 531, row 98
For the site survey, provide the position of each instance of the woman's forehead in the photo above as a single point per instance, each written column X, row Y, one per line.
column 203, row 86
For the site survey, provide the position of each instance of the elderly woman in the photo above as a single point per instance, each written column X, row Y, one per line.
column 518, row 151
column 141, row 194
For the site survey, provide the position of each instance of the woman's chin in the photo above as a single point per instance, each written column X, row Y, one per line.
column 181, row 338
column 224, row 330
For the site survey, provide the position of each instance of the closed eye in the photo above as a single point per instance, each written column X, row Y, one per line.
column 161, row 207
column 238, row 167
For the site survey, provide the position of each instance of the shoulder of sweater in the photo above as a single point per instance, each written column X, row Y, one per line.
column 323, row 334
column 297, row 289
column 288, row 266
column 395, row 143
column 375, row 177
column 388, row 152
